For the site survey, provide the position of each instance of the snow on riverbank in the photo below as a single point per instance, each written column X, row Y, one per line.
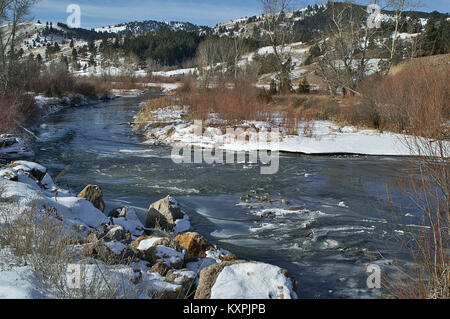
column 138, row 261
column 314, row 138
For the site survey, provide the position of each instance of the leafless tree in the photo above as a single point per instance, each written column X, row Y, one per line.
column 207, row 57
column 399, row 7
column 12, row 13
column 344, row 62
column 279, row 31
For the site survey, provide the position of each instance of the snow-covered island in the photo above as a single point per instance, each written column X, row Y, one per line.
column 44, row 227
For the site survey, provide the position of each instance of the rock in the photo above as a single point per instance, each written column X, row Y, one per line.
column 255, row 207
column 93, row 194
column 245, row 280
column 208, row 278
column 35, row 170
column 184, row 277
column 92, row 238
column 161, row 268
column 163, row 214
column 143, row 243
column 9, row 174
column 229, row 257
column 246, row 198
column 161, row 289
column 154, row 249
column 112, row 252
column 284, row 202
column 295, row 208
column 115, row 232
column 195, row 245
column 118, row 212
column 262, row 198
column 115, row 213
column 13, row 147
column 7, row 140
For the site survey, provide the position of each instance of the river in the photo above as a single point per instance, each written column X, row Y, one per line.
column 325, row 247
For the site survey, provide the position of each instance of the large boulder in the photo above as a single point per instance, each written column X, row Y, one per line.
column 163, row 214
column 93, row 194
column 245, row 280
column 195, row 245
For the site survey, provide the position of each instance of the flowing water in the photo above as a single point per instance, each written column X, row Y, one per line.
column 326, row 246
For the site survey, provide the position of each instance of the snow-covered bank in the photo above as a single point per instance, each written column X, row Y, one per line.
column 313, row 138
column 152, row 259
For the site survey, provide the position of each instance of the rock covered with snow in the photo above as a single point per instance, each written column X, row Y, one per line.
column 12, row 147
column 245, row 280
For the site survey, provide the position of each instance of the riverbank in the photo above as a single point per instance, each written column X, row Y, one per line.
column 157, row 258
column 172, row 126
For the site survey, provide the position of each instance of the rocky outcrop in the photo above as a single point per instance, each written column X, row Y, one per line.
column 195, row 245
column 93, row 194
column 163, row 214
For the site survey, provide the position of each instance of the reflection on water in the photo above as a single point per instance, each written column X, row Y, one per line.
column 325, row 244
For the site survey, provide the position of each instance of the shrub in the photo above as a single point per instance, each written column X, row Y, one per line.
column 414, row 99
column 16, row 108
column 237, row 102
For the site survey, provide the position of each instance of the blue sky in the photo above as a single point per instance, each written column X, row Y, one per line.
column 96, row 13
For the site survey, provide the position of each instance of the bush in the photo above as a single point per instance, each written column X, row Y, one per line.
column 413, row 100
column 238, row 102
column 16, row 108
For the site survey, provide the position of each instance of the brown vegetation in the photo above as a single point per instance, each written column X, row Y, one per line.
column 412, row 100
column 234, row 102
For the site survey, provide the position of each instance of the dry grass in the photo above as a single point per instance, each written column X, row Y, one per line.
column 146, row 115
column 234, row 102
column 16, row 108
column 422, row 92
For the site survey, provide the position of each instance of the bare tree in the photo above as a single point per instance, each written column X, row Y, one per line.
column 207, row 57
column 344, row 62
column 399, row 7
column 12, row 13
column 279, row 31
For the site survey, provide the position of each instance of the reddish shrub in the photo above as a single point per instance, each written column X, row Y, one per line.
column 237, row 101
column 16, row 109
